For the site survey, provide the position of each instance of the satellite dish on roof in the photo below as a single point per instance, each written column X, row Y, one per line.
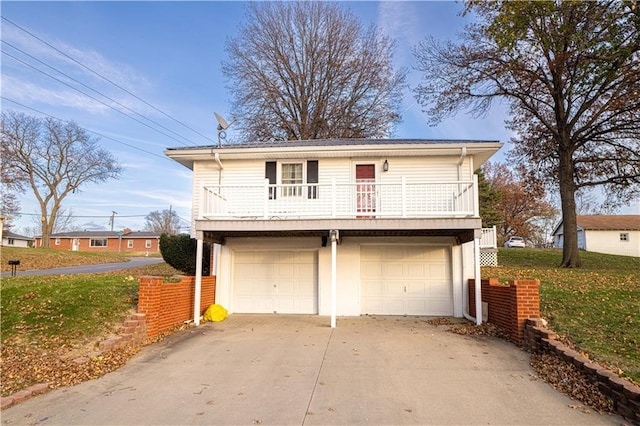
column 222, row 126
column 222, row 123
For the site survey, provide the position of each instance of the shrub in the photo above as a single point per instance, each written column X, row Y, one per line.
column 179, row 251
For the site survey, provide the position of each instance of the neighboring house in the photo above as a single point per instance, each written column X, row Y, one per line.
column 340, row 227
column 113, row 241
column 613, row 234
column 9, row 239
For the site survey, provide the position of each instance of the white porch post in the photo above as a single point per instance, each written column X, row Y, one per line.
column 198, row 289
column 333, row 234
column 476, row 269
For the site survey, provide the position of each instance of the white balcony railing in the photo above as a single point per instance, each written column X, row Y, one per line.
column 340, row 200
column 489, row 238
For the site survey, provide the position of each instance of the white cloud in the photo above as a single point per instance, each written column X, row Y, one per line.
column 26, row 91
column 24, row 84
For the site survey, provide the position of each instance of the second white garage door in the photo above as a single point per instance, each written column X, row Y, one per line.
column 406, row 280
column 275, row 282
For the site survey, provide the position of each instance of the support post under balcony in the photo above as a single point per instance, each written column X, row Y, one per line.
column 477, row 276
column 334, row 235
column 198, row 284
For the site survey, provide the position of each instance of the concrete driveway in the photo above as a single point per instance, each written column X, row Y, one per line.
column 295, row 370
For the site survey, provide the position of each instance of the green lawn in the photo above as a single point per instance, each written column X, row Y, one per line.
column 62, row 310
column 41, row 258
column 597, row 307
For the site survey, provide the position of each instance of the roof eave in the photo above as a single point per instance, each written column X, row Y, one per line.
column 480, row 150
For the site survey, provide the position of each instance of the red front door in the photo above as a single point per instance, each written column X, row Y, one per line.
column 365, row 190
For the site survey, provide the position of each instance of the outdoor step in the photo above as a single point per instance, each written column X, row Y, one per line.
column 109, row 344
column 127, row 329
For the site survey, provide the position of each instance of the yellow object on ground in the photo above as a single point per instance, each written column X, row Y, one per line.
column 215, row 313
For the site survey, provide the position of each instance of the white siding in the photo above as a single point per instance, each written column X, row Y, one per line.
column 609, row 242
column 422, row 169
column 414, row 169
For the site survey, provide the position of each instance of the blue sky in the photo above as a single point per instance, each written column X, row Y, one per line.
column 169, row 55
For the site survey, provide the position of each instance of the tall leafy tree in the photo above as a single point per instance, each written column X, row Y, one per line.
column 570, row 72
column 522, row 205
column 489, row 199
column 55, row 158
column 309, row 70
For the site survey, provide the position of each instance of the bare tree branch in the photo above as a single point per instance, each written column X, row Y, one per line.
column 308, row 70
column 54, row 158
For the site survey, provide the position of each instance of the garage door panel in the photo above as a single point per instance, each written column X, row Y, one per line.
column 371, row 269
column 305, row 270
column 416, row 307
column 415, row 270
column 254, row 305
column 393, row 269
column 417, row 289
column 441, row 255
column 284, row 271
column 406, row 280
column 275, row 281
column 392, row 289
column 440, row 306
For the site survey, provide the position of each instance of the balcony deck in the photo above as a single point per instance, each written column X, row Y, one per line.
column 339, row 201
column 428, row 208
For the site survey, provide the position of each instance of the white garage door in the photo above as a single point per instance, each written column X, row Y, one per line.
column 275, row 282
column 406, row 280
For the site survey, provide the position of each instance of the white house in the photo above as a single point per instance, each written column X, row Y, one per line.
column 612, row 234
column 10, row 239
column 340, row 227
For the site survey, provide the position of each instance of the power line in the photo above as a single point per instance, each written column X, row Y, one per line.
column 91, row 97
column 120, row 216
column 106, row 79
column 88, row 130
column 94, row 90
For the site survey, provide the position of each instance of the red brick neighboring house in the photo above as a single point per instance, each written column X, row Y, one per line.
column 112, row 241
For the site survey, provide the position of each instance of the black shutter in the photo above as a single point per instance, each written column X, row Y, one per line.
column 312, row 177
column 270, row 173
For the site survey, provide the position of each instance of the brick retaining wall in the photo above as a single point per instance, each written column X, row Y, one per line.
column 624, row 394
column 168, row 305
column 509, row 305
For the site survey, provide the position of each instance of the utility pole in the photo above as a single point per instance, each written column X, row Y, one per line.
column 113, row 216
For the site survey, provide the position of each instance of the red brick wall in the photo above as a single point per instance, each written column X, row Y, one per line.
column 113, row 245
column 168, row 305
column 509, row 305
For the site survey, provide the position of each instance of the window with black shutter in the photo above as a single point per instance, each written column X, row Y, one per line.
column 270, row 172
column 312, row 177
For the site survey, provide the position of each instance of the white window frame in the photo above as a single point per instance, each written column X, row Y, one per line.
column 291, row 191
column 57, row 241
column 624, row 237
column 129, row 243
column 147, row 244
column 11, row 241
column 92, row 242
